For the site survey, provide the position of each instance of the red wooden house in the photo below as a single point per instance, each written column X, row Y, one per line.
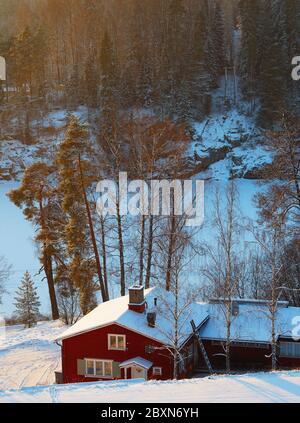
column 250, row 335
column 130, row 337
column 133, row 337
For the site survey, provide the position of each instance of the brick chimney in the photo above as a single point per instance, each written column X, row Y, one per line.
column 137, row 301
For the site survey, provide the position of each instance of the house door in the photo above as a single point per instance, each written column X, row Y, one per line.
column 138, row 373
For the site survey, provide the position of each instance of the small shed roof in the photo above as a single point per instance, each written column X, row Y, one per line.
column 139, row 361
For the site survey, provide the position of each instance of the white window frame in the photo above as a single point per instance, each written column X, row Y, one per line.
column 94, row 375
column 117, row 347
column 157, row 371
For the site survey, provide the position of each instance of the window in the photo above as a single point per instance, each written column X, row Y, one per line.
column 99, row 368
column 116, row 342
column 90, row 367
column 157, row 371
column 289, row 349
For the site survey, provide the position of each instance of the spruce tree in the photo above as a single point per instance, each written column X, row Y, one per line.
column 273, row 74
column 27, row 302
column 249, row 13
column 219, row 39
column 200, row 76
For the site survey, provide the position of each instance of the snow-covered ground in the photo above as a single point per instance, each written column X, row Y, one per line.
column 29, row 357
column 279, row 387
column 230, row 132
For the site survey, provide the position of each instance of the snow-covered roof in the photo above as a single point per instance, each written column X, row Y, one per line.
column 139, row 361
column 252, row 324
column 116, row 311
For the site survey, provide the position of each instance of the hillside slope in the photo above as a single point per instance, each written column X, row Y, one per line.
column 29, row 357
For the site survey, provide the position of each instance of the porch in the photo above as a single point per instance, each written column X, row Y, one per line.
column 136, row 368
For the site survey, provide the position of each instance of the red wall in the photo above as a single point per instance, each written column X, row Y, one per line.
column 94, row 344
column 240, row 357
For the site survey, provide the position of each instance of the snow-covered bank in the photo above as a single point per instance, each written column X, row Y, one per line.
column 276, row 387
column 29, row 357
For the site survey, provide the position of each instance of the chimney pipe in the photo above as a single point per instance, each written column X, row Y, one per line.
column 151, row 319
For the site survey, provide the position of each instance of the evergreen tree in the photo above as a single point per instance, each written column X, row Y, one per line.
column 249, row 12
column 91, row 81
column 218, row 31
column 200, row 76
column 75, row 176
column 273, row 74
column 109, row 84
column 28, row 59
column 211, row 54
column 74, row 88
column 27, row 302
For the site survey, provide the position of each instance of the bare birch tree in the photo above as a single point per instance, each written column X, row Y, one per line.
column 271, row 240
column 222, row 268
column 5, row 271
column 176, row 308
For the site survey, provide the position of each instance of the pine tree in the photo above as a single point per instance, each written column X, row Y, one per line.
column 75, row 176
column 27, row 302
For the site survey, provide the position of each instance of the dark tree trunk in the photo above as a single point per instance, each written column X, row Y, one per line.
column 93, row 238
column 103, row 242
column 149, row 253
column 47, row 259
column 142, row 244
column 121, row 252
column 47, row 264
column 170, row 252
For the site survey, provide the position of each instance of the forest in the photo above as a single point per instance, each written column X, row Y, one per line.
column 145, row 72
